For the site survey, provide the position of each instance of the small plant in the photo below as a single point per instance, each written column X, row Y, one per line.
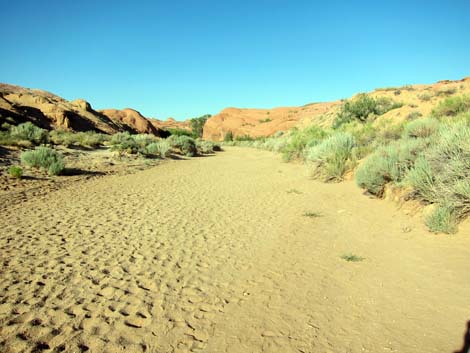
column 15, row 172
column 352, row 258
column 414, row 115
column 425, row 97
column 44, row 158
column 295, row 144
column 312, row 214
column 228, row 136
column 293, row 191
column 205, row 147
column 267, row 120
column 442, row 220
column 447, row 91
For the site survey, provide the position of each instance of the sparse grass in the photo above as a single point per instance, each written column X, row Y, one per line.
column 425, row 97
column 44, row 158
column 442, row 220
column 446, row 91
column 294, row 191
column 452, row 106
column 311, row 214
column 15, row 172
column 87, row 139
column 414, row 115
column 267, row 120
column 352, row 258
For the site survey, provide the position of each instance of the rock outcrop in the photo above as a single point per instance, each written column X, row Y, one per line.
column 131, row 120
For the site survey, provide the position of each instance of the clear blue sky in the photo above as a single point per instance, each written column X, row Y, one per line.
column 186, row 58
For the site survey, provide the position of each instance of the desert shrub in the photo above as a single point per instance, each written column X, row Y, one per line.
column 447, row 91
column 331, row 158
column 123, row 142
column 442, row 173
column 421, row 128
column 363, row 108
column 7, row 140
column 228, row 136
column 44, row 158
column 300, row 139
column 425, row 97
column 185, row 144
column 414, row 115
column 389, row 163
column 29, row 132
column 88, row 139
column 15, row 172
column 205, row 147
column 452, row 106
column 180, row 132
column 442, row 220
column 161, row 148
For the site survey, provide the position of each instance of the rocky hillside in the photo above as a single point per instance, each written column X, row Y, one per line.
column 170, row 123
column 415, row 99
column 49, row 111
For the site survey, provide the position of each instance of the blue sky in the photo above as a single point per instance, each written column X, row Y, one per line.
column 186, row 58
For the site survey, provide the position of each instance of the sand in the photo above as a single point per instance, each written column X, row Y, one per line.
column 214, row 254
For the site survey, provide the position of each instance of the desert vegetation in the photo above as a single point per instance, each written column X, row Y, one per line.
column 428, row 155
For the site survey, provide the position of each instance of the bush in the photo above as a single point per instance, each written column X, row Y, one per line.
column 185, row 144
column 442, row 220
column 180, row 132
column 388, row 163
column 331, row 158
column 299, row 140
column 123, row 142
column 421, row 128
column 15, row 172
column 205, row 147
column 363, row 108
column 89, row 139
column 228, row 136
column 29, row 132
column 160, row 148
column 442, row 173
column 452, row 106
column 44, row 158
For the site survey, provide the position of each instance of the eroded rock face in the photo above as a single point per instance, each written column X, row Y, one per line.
column 131, row 120
column 265, row 122
column 170, row 123
column 49, row 111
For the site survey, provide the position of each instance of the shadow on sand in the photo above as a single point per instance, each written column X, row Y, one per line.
column 466, row 341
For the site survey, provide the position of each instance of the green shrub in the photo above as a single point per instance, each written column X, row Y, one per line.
column 228, row 136
column 89, row 139
column 331, row 158
column 363, row 108
column 197, row 125
column 452, row 106
column 387, row 164
column 298, row 140
column 421, row 128
column 29, row 132
column 180, row 132
column 185, row 144
column 15, row 172
column 161, row 148
column 44, row 158
column 442, row 220
column 123, row 142
column 442, row 173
